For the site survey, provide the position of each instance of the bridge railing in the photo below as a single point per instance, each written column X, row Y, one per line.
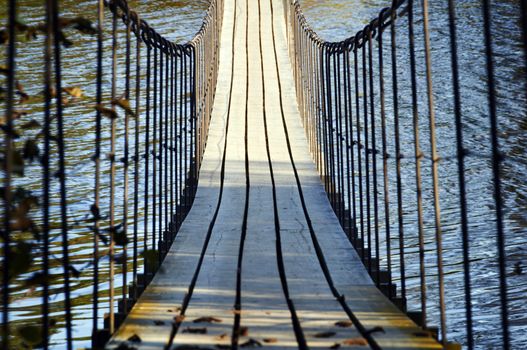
column 150, row 113
column 369, row 111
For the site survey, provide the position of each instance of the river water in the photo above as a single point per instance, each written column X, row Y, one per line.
column 335, row 20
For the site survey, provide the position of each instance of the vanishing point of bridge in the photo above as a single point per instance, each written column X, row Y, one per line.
column 244, row 183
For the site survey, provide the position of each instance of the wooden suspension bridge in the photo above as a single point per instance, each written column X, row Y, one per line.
column 262, row 253
column 260, row 169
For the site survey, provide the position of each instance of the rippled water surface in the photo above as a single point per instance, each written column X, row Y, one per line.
column 512, row 118
column 335, row 20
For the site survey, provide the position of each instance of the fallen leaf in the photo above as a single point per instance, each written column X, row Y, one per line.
column 195, row 330
column 207, row 320
column 270, row 340
column 324, row 335
column 222, row 336
column 243, row 331
column 179, row 318
column 355, row 341
column 344, row 324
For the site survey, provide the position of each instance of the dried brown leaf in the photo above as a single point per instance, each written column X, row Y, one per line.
column 344, row 324
column 191, row 330
column 355, row 341
column 208, row 319
column 325, row 334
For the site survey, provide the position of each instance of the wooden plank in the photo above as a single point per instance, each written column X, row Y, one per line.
column 317, row 308
column 371, row 307
column 264, row 310
column 152, row 316
column 214, row 294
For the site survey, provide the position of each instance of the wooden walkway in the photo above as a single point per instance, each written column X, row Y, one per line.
column 261, row 253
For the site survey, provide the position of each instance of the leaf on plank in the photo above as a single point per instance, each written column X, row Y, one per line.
column 179, row 319
column 270, row 340
column 208, row 319
column 344, row 324
column 191, row 330
column 355, row 341
column 325, row 334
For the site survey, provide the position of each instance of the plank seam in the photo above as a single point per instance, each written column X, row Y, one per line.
column 299, row 334
column 237, row 304
column 188, row 296
column 320, row 254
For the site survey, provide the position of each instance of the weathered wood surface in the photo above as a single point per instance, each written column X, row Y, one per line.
column 256, row 97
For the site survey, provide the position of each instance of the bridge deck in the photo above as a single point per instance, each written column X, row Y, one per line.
column 261, row 206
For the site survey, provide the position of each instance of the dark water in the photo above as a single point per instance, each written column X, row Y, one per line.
column 512, row 117
column 334, row 20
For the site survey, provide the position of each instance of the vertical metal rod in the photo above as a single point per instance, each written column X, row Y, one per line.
column 347, row 134
column 171, row 147
column 351, row 144
column 366, row 149
column 497, row 159
column 180, row 173
column 337, row 142
column 185, row 133
column 418, row 158
column 166, row 187
column 435, row 175
column 461, row 154
column 137, row 163
column 46, row 174
column 385, row 155
column 147, row 149
column 9, row 148
column 374, row 160
column 159, row 154
column 398, row 154
column 62, row 174
column 126, row 161
column 97, row 160
column 359, row 145
column 112, row 174
column 154, row 151
column 331, row 129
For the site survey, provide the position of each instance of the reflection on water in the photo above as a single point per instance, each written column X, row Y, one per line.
column 512, row 116
column 179, row 20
